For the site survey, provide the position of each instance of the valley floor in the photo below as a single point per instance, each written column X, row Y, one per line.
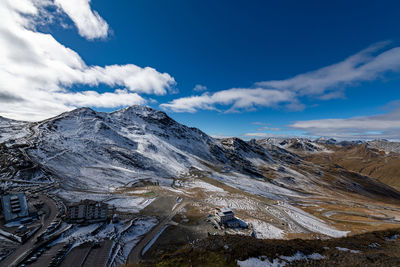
column 182, row 215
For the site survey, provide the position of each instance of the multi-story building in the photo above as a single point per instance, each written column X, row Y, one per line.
column 14, row 207
column 87, row 211
column 224, row 215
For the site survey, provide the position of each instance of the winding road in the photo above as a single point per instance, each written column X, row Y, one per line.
column 24, row 249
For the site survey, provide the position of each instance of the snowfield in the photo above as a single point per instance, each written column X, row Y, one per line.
column 129, row 204
column 265, row 230
column 131, row 237
column 196, row 183
column 125, row 236
column 348, row 250
column 236, row 202
column 76, row 196
column 120, row 202
column 278, row 262
column 256, row 187
column 10, row 129
column 310, row 222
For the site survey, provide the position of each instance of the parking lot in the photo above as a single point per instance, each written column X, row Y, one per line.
column 46, row 258
column 24, row 249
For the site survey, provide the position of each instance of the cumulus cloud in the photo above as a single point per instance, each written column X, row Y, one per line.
column 368, row 127
column 39, row 75
column 325, row 83
column 89, row 23
column 236, row 98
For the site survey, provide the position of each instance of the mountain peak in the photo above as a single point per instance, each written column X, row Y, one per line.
column 140, row 109
column 78, row 112
column 143, row 112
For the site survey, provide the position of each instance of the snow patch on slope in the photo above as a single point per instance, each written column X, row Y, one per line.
column 278, row 262
column 265, row 230
column 310, row 222
column 129, row 204
column 195, row 183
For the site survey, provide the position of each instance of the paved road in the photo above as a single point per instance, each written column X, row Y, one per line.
column 136, row 254
column 24, row 249
column 47, row 256
column 88, row 256
column 77, row 256
column 99, row 256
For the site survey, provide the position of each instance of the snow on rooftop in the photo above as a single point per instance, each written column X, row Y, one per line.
column 226, row 210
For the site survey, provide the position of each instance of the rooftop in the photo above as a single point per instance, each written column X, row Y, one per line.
column 226, row 210
column 14, row 206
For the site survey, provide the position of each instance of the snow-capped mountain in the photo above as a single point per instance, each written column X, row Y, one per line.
column 296, row 144
column 11, row 129
column 95, row 149
column 385, row 145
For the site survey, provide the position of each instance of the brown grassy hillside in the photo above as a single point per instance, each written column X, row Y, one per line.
column 364, row 160
column 370, row 249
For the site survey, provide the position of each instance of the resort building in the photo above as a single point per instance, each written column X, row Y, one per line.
column 87, row 211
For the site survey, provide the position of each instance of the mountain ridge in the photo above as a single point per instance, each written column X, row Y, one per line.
column 92, row 148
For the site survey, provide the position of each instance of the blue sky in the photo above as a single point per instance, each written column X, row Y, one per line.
column 265, row 68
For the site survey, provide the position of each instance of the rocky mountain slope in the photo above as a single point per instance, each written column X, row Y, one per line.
column 385, row 145
column 95, row 149
column 98, row 151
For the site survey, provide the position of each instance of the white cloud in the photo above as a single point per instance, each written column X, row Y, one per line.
column 38, row 73
column 89, row 23
column 267, row 128
column 237, row 98
column 258, row 135
column 267, row 135
column 94, row 99
column 367, row 127
column 260, row 123
column 325, row 83
column 200, row 88
column 366, row 65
